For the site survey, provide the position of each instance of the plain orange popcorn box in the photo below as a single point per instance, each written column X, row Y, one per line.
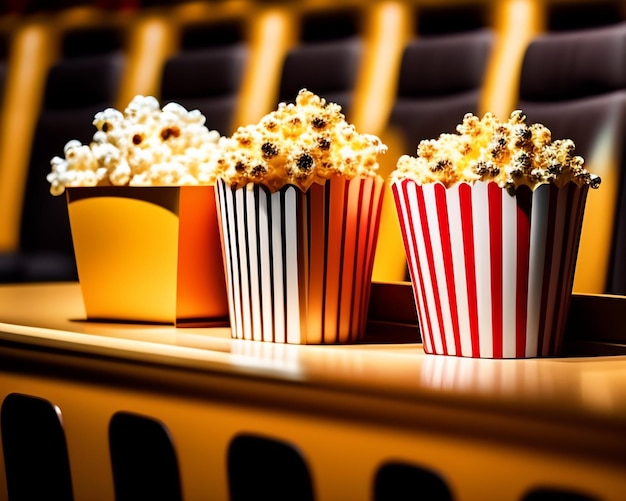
column 149, row 254
column 299, row 263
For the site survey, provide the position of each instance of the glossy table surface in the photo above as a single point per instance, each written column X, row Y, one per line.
column 51, row 316
column 502, row 425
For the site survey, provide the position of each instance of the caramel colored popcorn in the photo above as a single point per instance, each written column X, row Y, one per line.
column 511, row 153
column 299, row 144
column 143, row 146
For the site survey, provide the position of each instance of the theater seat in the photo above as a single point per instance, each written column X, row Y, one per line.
column 76, row 89
column 327, row 68
column 207, row 79
column 575, row 83
column 441, row 78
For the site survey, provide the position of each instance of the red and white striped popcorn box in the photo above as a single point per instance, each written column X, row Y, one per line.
column 299, row 264
column 492, row 272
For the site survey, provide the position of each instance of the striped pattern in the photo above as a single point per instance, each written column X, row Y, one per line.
column 299, row 264
column 492, row 273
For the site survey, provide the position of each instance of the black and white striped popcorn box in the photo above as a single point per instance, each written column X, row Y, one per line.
column 492, row 272
column 299, row 263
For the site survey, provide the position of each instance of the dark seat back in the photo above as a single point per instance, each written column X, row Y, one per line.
column 207, row 79
column 440, row 80
column 574, row 82
column 77, row 86
column 265, row 468
column 327, row 68
column 143, row 459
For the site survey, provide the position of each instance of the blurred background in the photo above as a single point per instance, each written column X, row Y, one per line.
column 404, row 70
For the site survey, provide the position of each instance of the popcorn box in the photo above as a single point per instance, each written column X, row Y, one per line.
column 299, row 264
column 492, row 272
column 149, row 254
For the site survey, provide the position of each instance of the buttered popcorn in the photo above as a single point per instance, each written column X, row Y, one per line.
column 511, row 153
column 299, row 144
column 143, row 146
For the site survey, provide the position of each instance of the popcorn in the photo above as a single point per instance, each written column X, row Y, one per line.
column 510, row 153
column 143, row 146
column 300, row 144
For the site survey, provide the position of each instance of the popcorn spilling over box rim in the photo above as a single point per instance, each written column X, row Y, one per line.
column 299, row 144
column 511, row 154
column 144, row 145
